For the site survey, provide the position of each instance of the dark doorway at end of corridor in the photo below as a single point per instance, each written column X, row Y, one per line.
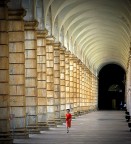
column 111, row 87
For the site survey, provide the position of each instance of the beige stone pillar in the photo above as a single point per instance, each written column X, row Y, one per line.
column 80, row 66
column 17, row 72
column 87, row 98
column 57, row 82
column 90, row 87
column 91, row 91
column 71, row 88
column 31, row 76
column 96, row 93
column 50, row 81
column 41, row 79
column 75, row 84
column 62, row 84
column 67, row 79
column 78, row 87
column 82, row 87
column 88, row 90
column 5, row 136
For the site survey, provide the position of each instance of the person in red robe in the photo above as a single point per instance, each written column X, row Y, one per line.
column 68, row 119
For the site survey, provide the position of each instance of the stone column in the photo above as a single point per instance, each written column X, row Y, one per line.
column 91, row 92
column 86, row 108
column 67, row 79
column 62, row 84
column 82, row 87
column 87, row 97
column 96, row 96
column 17, row 72
column 75, row 84
column 50, row 81
column 78, row 87
column 90, row 86
column 5, row 136
column 71, row 88
column 88, row 90
column 31, row 76
column 57, row 82
column 41, row 79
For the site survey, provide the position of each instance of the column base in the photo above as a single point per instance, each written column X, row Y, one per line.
column 43, row 126
column 58, row 121
column 63, row 119
column 76, row 113
column 81, row 112
column 20, row 133
column 51, row 123
column 33, row 129
column 73, row 116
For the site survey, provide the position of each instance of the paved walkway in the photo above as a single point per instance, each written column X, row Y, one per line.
column 100, row 127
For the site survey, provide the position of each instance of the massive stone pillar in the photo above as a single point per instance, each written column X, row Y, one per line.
column 94, row 92
column 86, row 90
column 90, row 87
column 67, row 80
column 82, row 89
column 80, row 100
column 50, row 81
column 41, row 79
column 91, row 91
column 62, row 84
column 75, row 84
column 57, row 82
column 71, row 80
column 78, row 87
column 17, row 72
column 4, row 75
column 128, row 86
column 31, row 76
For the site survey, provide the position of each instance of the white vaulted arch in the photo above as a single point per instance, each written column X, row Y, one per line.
column 96, row 31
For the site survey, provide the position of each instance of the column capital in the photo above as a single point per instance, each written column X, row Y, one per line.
column 57, row 44
column 50, row 40
column 67, row 52
column 42, row 33
column 62, row 49
column 30, row 25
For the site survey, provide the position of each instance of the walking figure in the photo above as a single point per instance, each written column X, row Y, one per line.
column 68, row 119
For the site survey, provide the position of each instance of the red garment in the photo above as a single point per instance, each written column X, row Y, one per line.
column 68, row 120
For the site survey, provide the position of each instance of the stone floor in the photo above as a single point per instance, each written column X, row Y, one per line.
column 100, row 127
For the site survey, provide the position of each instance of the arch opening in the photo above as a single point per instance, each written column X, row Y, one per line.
column 111, row 87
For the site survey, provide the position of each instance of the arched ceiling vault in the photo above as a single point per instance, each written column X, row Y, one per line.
column 97, row 31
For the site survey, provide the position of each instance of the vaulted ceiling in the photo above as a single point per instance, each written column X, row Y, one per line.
column 99, row 29
column 96, row 31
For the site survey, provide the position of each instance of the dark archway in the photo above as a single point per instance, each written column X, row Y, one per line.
column 111, row 88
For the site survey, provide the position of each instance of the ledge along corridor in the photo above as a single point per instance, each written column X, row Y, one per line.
column 99, row 127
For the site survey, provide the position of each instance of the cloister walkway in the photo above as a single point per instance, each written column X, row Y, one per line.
column 100, row 127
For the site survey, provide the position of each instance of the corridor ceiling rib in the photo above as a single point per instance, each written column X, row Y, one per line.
column 97, row 31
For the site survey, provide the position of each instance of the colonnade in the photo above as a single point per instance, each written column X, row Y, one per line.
column 39, row 78
column 128, row 86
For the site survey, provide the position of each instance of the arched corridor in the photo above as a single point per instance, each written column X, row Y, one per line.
column 51, row 53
